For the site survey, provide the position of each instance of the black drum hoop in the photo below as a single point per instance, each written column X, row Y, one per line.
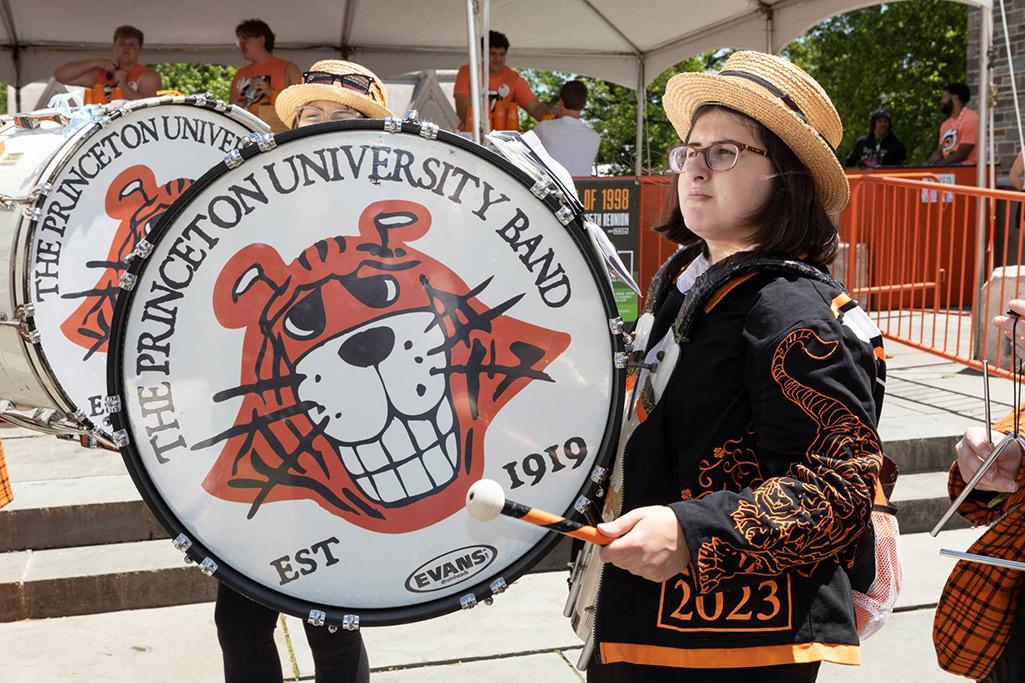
column 480, row 591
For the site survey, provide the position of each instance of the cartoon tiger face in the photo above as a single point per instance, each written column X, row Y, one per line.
column 134, row 199
column 370, row 373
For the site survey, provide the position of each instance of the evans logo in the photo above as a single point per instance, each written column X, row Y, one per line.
column 453, row 567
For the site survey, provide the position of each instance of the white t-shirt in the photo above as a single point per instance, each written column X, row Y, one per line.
column 570, row 142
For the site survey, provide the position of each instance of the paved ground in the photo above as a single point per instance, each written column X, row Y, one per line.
column 523, row 635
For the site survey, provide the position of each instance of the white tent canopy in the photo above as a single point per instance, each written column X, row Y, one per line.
column 608, row 39
column 629, row 43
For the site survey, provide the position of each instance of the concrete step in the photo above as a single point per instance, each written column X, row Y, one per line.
column 36, row 584
column 924, row 454
column 523, row 636
column 921, row 499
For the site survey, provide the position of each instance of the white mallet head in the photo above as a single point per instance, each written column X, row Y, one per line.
column 485, row 499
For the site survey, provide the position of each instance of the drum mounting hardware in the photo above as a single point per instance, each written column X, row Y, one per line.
column 616, row 325
column 350, row 622
column 128, row 281
column 541, row 189
column 25, row 311
column 429, row 130
column 564, row 214
column 582, row 505
column 201, row 99
column 265, row 142
column 599, row 474
column 498, row 586
column 621, row 360
column 208, row 566
column 143, row 249
column 233, row 159
column 112, row 404
column 182, row 542
column 121, row 438
column 468, row 601
column 412, row 116
column 392, row 124
column 316, row 617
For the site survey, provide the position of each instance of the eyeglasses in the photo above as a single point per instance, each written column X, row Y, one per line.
column 310, row 114
column 358, row 82
column 719, row 156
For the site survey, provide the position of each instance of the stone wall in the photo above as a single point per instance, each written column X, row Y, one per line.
column 1005, row 133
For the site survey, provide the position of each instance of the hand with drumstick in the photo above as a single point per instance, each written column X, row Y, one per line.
column 649, row 542
column 975, row 446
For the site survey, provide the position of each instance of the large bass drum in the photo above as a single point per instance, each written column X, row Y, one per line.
column 333, row 337
column 78, row 191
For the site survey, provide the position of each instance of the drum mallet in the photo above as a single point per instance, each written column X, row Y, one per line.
column 486, row 500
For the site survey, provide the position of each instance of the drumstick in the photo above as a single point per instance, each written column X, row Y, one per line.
column 486, row 500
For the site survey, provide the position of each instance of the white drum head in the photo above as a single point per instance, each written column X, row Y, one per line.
column 330, row 343
column 107, row 191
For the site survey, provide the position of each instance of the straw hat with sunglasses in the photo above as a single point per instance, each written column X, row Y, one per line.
column 333, row 80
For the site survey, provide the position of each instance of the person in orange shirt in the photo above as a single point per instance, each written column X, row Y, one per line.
column 265, row 76
column 6, row 495
column 113, row 79
column 959, row 133
column 507, row 90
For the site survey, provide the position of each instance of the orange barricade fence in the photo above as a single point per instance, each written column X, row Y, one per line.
column 908, row 254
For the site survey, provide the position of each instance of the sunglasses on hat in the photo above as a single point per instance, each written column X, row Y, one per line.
column 359, row 82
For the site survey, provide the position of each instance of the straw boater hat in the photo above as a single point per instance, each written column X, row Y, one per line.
column 373, row 105
column 778, row 95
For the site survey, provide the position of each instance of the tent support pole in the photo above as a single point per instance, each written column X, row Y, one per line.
column 641, row 102
column 981, row 257
column 475, row 77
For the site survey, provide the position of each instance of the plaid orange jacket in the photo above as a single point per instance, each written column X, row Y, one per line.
column 976, row 610
column 6, row 495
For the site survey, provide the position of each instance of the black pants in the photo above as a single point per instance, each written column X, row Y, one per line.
column 638, row 673
column 245, row 630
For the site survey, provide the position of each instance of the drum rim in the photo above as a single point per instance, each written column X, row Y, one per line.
column 21, row 286
column 481, row 590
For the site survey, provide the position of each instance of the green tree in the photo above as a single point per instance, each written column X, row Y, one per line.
column 897, row 56
column 195, row 78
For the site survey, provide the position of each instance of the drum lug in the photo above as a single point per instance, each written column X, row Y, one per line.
column 621, row 359
column 121, row 438
column 265, row 142
column 599, row 474
column 143, row 249
column 316, row 617
column 582, row 505
column 30, row 335
column 233, row 159
column 393, row 124
column 182, row 543
column 498, row 586
column 429, row 130
column 541, row 189
column 31, row 213
column 202, row 98
column 412, row 116
column 350, row 622
column 468, row 601
column 616, row 325
column 564, row 214
column 25, row 311
column 128, row 281
column 40, row 190
column 112, row 404
column 208, row 566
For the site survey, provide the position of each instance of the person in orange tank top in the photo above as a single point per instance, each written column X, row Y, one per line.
column 260, row 81
column 122, row 77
